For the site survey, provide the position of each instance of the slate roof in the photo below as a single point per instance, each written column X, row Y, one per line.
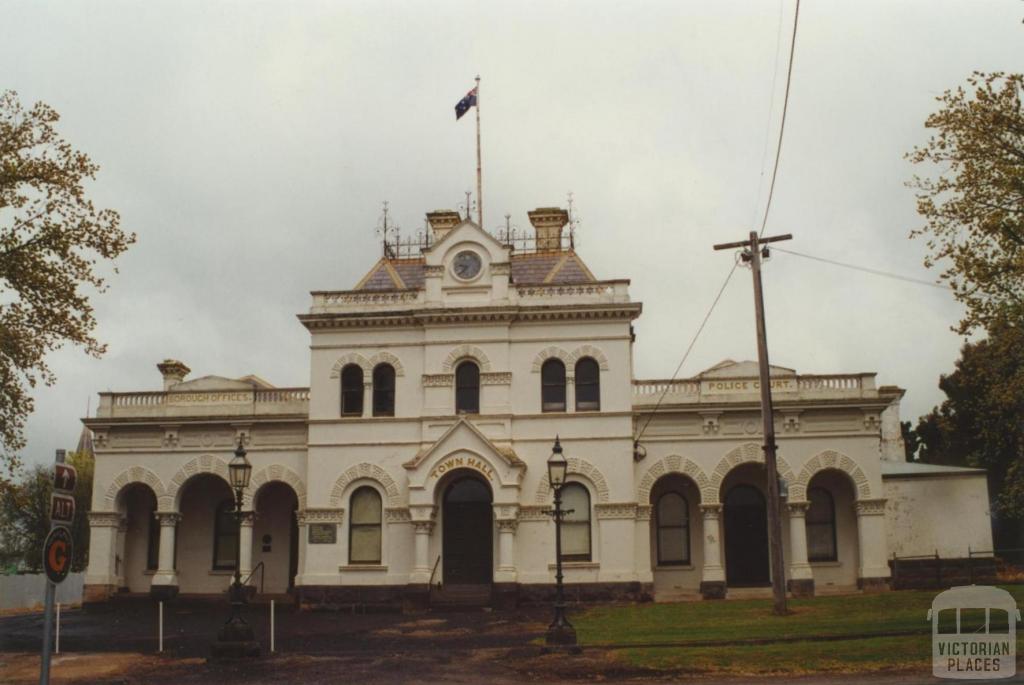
column 541, row 267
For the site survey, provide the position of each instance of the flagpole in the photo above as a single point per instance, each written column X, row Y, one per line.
column 479, row 172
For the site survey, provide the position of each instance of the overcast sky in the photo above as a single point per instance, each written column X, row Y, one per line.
column 249, row 145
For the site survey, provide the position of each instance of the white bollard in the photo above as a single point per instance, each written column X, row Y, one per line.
column 57, row 641
column 271, row 626
column 161, row 628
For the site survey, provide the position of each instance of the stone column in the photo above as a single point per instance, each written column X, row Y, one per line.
column 873, row 573
column 801, row 578
column 642, row 546
column 302, row 530
column 368, row 395
column 506, row 590
column 101, row 577
column 570, row 390
column 712, row 584
column 245, row 543
column 421, row 566
column 506, row 551
column 165, row 580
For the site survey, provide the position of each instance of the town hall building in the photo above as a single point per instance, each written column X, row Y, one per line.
column 412, row 469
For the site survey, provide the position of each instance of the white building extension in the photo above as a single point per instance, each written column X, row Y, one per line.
column 413, row 468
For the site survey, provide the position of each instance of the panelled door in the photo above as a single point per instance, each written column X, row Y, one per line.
column 746, row 538
column 467, row 533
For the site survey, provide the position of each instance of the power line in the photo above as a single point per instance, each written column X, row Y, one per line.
column 686, row 354
column 771, row 111
column 876, row 272
column 782, row 124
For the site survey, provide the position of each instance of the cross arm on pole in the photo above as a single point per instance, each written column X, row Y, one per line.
column 746, row 243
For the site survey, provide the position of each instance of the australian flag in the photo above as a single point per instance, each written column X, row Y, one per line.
column 465, row 103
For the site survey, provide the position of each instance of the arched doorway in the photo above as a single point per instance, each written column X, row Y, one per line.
column 746, row 537
column 275, row 536
column 467, row 532
column 139, row 544
column 206, row 543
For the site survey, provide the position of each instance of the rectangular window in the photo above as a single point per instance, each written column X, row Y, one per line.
column 365, row 544
column 821, row 542
column 576, row 540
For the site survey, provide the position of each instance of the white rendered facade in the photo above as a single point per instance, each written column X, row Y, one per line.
column 163, row 455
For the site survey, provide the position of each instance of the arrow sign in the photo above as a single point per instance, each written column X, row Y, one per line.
column 57, row 554
column 64, row 477
column 62, row 508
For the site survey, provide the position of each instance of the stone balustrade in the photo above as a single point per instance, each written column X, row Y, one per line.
column 255, row 402
column 648, row 393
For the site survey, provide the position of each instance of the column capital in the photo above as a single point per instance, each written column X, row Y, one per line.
column 711, row 511
column 423, row 527
column 798, row 508
column 422, row 513
column 507, row 525
column 248, row 518
column 167, row 518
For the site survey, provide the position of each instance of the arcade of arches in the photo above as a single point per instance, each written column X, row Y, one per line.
column 196, row 547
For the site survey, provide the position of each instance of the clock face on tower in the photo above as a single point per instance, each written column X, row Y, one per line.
column 466, row 265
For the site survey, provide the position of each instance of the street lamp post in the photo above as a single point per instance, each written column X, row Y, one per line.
column 561, row 634
column 236, row 638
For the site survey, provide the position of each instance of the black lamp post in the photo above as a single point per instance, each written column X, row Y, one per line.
column 560, row 633
column 236, row 638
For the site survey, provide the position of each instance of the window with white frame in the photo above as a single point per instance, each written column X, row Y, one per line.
column 673, row 524
column 821, row 526
column 575, row 525
column 364, row 527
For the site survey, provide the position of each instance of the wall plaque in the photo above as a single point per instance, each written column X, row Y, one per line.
column 323, row 533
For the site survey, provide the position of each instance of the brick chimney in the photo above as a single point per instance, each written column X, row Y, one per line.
column 173, row 371
column 442, row 221
column 548, row 223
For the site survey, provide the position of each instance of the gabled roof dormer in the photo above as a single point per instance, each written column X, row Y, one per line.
column 466, row 265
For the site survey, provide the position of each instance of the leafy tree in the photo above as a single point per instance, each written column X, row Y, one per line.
column 981, row 422
column 974, row 205
column 52, row 241
column 25, row 515
column 911, row 440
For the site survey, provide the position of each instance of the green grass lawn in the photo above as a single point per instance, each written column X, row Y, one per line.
column 709, row 621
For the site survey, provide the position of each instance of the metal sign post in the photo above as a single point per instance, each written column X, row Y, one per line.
column 57, row 551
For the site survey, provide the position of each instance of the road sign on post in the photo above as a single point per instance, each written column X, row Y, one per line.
column 56, row 555
column 64, row 477
column 62, row 509
column 57, row 552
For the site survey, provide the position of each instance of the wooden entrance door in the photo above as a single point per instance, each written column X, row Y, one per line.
column 467, row 533
column 746, row 538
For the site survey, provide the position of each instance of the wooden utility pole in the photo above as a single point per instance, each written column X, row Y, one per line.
column 752, row 254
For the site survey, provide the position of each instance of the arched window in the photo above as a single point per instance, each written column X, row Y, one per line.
column 552, row 385
column 352, row 390
column 576, row 526
column 467, row 388
column 673, row 521
column 821, row 526
column 225, row 537
column 364, row 527
column 588, row 385
column 384, row 390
